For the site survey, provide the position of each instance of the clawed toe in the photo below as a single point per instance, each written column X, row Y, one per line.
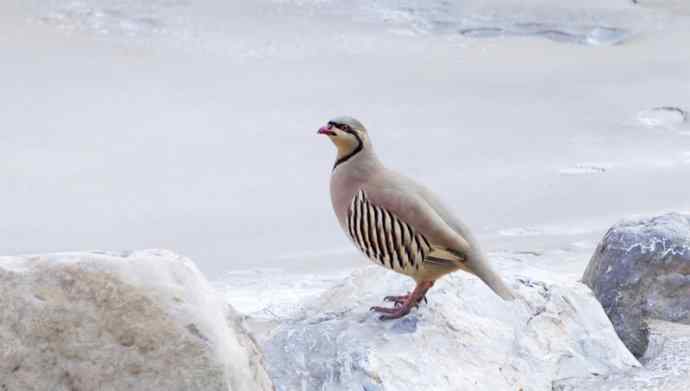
column 396, row 299
column 384, row 310
column 403, row 304
column 391, row 313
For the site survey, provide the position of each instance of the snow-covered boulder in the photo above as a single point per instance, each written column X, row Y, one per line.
column 134, row 321
column 465, row 338
column 641, row 269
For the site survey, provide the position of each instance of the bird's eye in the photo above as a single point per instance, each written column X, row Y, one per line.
column 346, row 128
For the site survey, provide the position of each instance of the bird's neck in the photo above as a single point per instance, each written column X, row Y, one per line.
column 346, row 153
column 348, row 150
column 359, row 156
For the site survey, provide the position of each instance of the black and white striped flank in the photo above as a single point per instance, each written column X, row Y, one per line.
column 385, row 238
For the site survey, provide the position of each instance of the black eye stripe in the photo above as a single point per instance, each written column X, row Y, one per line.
column 343, row 127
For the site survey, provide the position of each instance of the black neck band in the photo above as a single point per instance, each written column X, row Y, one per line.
column 358, row 149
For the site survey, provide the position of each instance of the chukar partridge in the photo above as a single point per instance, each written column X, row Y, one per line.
column 398, row 223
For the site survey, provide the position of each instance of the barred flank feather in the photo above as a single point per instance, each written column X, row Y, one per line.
column 383, row 237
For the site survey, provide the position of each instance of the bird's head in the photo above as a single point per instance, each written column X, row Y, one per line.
column 346, row 133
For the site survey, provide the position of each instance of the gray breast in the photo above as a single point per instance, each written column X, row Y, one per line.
column 384, row 237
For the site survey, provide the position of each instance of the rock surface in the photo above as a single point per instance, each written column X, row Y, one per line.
column 666, row 365
column 102, row 321
column 465, row 338
column 641, row 269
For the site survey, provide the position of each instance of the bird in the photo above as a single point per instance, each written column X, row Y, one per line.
column 398, row 223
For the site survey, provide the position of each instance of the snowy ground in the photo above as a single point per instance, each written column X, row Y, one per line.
column 190, row 125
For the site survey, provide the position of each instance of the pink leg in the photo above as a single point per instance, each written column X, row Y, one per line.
column 406, row 302
column 400, row 300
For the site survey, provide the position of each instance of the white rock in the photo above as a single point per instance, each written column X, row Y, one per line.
column 102, row 321
column 666, row 365
column 465, row 338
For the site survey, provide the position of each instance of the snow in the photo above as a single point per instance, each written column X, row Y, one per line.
column 190, row 125
column 126, row 121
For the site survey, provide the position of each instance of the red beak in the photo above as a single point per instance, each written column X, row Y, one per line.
column 326, row 130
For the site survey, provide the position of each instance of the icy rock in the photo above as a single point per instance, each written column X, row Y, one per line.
column 465, row 338
column 641, row 269
column 146, row 320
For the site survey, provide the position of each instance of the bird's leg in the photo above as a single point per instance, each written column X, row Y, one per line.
column 400, row 300
column 411, row 300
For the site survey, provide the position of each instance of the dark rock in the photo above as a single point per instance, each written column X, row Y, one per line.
column 641, row 269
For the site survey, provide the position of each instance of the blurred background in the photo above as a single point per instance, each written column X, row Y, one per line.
column 191, row 124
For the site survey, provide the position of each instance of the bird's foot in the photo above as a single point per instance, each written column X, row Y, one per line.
column 392, row 313
column 405, row 303
column 400, row 300
column 397, row 300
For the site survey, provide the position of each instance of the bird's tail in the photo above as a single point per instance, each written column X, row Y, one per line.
column 482, row 269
